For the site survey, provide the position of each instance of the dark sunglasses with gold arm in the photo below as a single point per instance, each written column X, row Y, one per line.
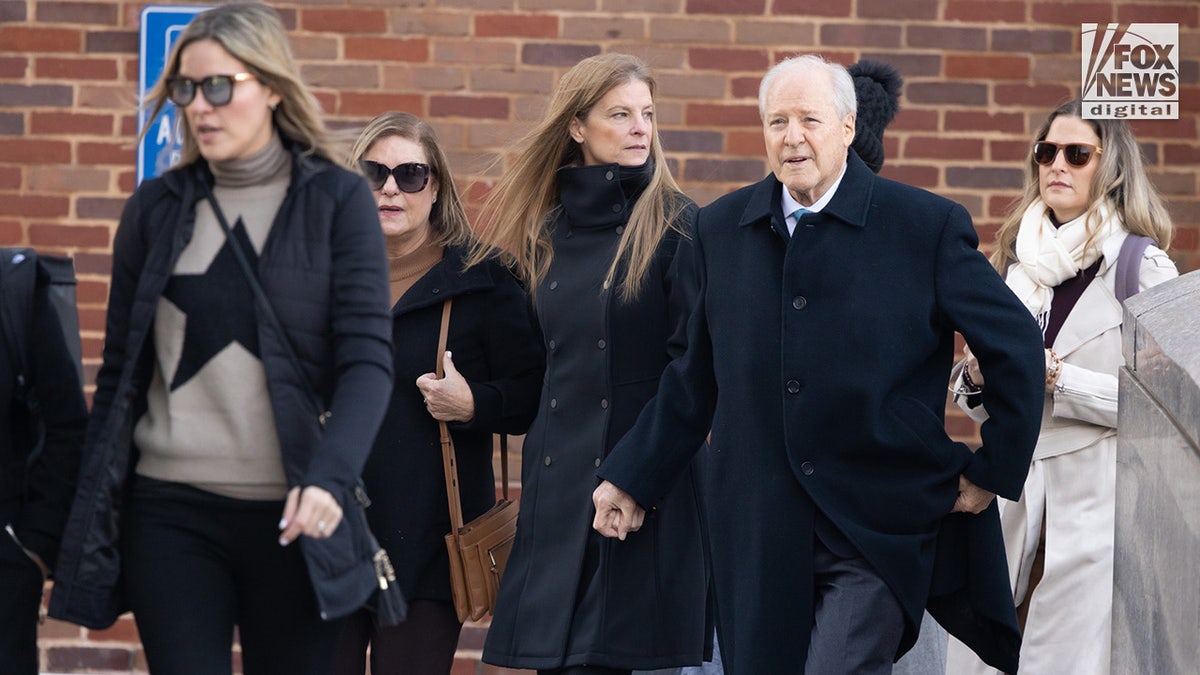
column 1076, row 154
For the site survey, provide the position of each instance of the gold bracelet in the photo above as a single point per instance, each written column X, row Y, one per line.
column 1054, row 371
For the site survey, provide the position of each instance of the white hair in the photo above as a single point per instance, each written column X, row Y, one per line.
column 845, row 102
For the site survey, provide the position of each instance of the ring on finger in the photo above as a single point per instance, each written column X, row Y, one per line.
column 321, row 526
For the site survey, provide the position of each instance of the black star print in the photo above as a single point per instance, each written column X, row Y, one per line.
column 218, row 305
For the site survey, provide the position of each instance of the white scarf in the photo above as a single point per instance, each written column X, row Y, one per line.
column 1048, row 256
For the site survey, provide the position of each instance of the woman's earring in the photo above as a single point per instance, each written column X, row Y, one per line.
column 273, row 106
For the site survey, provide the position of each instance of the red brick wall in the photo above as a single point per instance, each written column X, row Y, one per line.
column 981, row 75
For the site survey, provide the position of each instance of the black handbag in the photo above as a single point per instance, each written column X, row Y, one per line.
column 387, row 601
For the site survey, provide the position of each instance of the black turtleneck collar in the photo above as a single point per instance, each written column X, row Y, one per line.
column 601, row 195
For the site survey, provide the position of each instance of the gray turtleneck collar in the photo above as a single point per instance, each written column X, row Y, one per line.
column 264, row 166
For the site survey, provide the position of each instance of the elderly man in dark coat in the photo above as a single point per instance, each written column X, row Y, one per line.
column 819, row 354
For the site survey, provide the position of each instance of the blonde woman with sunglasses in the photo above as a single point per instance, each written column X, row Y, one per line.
column 590, row 217
column 215, row 487
column 493, row 374
column 1086, row 194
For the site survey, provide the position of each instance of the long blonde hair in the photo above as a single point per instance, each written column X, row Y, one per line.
column 1120, row 181
column 447, row 218
column 253, row 34
column 514, row 218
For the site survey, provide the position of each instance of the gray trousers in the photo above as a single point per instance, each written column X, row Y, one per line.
column 713, row 667
column 928, row 656
column 858, row 621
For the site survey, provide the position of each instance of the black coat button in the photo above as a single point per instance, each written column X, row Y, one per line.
column 548, row 461
column 553, row 344
column 553, row 403
column 806, row 468
column 601, row 343
column 604, row 403
column 553, row 285
column 799, row 302
column 793, row 387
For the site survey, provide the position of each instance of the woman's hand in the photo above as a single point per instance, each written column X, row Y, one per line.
column 310, row 511
column 448, row 399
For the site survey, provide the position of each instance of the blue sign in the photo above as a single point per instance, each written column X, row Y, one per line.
column 161, row 26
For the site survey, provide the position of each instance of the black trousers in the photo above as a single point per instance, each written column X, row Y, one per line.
column 20, row 598
column 197, row 564
column 424, row 644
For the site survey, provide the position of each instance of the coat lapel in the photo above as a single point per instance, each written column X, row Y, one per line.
column 1097, row 309
column 764, row 205
column 850, row 203
column 446, row 278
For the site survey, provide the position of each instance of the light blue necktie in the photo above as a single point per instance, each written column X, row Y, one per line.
column 796, row 216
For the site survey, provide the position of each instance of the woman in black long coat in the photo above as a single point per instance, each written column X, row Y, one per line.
column 595, row 238
column 493, row 368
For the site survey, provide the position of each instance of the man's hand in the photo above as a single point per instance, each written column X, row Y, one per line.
column 971, row 497
column 617, row 514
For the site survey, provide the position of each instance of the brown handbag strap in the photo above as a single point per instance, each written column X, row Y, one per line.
column 449, row 462
column 449, row 459
column 504, row 464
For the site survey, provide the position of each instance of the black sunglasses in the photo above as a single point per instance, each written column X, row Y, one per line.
column 410, row 177
column 218, row 89
column 1076, row 154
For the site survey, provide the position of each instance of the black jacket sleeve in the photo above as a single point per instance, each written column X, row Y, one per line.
column 673, row 425
column 1008, row 343
column 50, row 481
column 507, row 402
column 362, row 340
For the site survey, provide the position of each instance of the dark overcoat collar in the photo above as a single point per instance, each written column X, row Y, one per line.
column 849, row 205
column 601, row 195
column 447, row 278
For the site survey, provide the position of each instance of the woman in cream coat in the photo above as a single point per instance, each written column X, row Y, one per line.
column 1086, row 192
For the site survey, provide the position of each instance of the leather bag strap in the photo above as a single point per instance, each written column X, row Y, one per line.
column 449, row 459
column 504, row 464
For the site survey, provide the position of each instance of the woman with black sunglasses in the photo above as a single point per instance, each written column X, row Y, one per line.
column 1088, row 212
column 213, row 489
column 493, row 371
